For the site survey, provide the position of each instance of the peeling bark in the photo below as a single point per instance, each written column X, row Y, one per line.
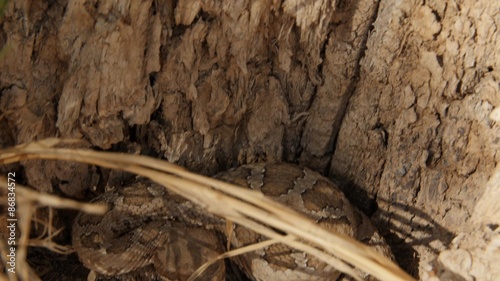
column 395, row 100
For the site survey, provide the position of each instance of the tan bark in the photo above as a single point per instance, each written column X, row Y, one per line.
column 396, row 100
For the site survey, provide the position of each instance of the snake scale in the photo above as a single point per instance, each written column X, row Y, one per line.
column 149, row 233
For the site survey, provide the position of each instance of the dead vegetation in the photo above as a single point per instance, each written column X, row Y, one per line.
column 397, row 101
column 238, row 205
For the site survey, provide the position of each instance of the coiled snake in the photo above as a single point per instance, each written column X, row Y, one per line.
column 150, row 233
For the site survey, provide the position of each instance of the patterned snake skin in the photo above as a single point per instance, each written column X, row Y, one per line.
column 151, row 234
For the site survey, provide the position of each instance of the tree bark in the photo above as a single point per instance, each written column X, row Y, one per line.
column 395, row 100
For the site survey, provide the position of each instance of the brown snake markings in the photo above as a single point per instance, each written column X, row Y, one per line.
column 149, row 233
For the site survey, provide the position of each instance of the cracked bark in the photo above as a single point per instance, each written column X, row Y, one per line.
column 395, row 100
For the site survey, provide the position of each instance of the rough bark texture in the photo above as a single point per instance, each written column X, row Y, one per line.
column 396, row 100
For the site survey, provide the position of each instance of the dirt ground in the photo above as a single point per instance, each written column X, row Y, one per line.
column 396, row 101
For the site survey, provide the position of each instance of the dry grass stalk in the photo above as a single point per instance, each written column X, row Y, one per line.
column 28, row 201
column 245, row 207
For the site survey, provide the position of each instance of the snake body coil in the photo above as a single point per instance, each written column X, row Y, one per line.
column 151, row 233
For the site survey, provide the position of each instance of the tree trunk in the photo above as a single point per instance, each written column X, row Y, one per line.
column 395, row 100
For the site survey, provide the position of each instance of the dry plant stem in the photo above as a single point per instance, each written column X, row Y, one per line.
column 246, row 215
column 25, row 213
column 232, row 253
column 43, row 199
column 47, row 243
column 260, row 245
column 273, row 214
column 4, row 252
column 29, row 200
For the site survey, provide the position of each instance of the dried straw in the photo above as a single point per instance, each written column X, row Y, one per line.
column 242, row 206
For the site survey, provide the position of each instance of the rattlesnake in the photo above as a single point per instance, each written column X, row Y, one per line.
column 151, row 233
